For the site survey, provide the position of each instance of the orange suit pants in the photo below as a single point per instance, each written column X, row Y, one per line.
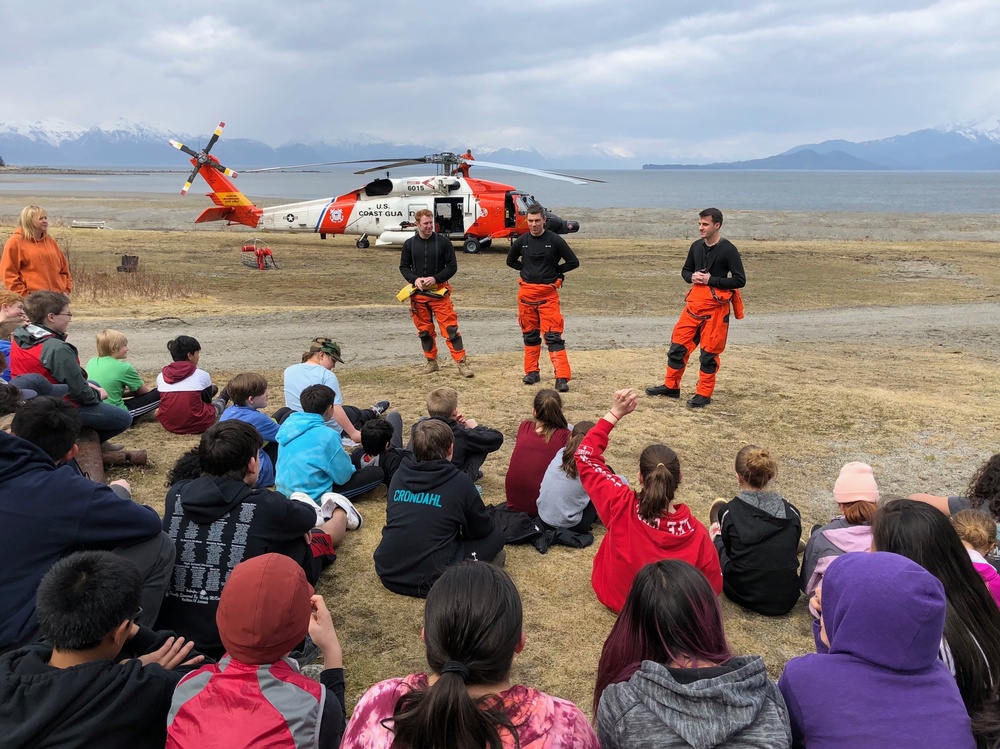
column 540, row 318
column 424, row 310
column 705, row 323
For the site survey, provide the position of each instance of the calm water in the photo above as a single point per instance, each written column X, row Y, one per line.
column 867, row 192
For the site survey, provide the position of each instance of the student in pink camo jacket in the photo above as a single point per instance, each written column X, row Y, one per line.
column 472, row 629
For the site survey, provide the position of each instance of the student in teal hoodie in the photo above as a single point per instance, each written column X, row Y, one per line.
column 312, row 459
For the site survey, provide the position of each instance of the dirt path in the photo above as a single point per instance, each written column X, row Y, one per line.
column 382, row 336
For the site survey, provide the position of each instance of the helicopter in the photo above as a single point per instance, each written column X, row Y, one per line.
column 472, row 210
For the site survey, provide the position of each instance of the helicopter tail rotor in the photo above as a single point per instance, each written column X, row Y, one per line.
column 202, row 158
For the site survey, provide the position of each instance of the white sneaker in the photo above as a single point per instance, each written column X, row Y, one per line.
column 332, row 500
column 307, row 500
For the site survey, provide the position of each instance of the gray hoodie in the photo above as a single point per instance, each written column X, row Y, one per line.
column 736, row 707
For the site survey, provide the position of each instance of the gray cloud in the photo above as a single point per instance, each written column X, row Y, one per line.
column 677, row 81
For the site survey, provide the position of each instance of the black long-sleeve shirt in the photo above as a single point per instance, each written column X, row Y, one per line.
column 720, row 260
column 434, row 256
column 538, row 258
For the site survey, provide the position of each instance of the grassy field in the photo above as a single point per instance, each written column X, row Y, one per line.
column 921, row 416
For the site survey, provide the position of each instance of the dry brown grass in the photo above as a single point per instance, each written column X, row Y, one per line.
column 918, row 415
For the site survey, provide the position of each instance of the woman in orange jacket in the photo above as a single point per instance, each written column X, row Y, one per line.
column 32, row 261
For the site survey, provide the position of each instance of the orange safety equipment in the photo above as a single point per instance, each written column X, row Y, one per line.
column 424, row 309
column 704, row 322
column 539, row 315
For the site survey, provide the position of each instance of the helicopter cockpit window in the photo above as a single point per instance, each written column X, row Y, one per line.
column 522, row 204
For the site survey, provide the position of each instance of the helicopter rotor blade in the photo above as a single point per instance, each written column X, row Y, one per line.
column 321, row 163
column 215, row 137
column 537, row 172
column 181, row 147
column 190, row 180
column 393, row 165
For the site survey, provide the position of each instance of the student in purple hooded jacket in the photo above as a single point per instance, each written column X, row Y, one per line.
column 881, row 684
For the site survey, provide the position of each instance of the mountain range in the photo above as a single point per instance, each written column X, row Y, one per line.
column 56, row 143
column 954, row 147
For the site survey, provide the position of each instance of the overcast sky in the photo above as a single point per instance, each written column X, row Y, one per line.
column 667, row 80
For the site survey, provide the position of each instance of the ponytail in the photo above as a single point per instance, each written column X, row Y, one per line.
column 548, row 413
column 472, row 626
column 580, row 430
column 661, row 471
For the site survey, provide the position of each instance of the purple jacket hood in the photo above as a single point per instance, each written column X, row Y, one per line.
column 884, row 609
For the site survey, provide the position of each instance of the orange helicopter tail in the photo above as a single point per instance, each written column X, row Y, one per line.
column 232, row 205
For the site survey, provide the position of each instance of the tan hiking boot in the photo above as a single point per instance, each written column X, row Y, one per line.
column 464, row 369
column 430, row 367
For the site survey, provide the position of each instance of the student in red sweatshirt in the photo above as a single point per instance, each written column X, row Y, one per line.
column 643, row 526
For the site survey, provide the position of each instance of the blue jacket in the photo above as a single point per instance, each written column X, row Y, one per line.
column 311, row 458
column 45, row 513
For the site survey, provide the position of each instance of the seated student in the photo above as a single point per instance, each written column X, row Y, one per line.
column 856, row 495
column 434, row 517
column 48, row 511
column 881, row 684
column 970, row 647
column 220, row 510
column 562, row 500
column 381, row 446
column 757, row 536
column 643, row 526
column 317, row 369
column 97, row 680
column 538, row 440
column 978, row 533
column 311, row 458
column 983, row 492
column 12, row 307
column 110, row 370
column 266, row 609
column 473, row 627
column 33, row 382
column 667, row 677
column 40, row 348
column 188, row 402
column 472, row 442
column 248, row 391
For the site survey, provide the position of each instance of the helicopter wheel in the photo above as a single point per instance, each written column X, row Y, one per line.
column 362, row 243
column 472, row 245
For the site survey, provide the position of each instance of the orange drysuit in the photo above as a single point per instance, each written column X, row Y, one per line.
column 704, row 322
column 28, row 266
column 539, row 315
column 424, row 309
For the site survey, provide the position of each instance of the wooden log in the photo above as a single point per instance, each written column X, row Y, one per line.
column 89, row 457
column 124, row 458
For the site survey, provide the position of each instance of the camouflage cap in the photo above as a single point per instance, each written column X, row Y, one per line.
column 327, row 346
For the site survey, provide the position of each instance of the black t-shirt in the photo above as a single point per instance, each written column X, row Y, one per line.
column 722, row 261
column 543, row 259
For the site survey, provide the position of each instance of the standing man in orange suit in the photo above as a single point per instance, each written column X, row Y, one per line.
column 544, row 258
column 714, row 269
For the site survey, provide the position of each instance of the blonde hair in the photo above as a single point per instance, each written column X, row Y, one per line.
column 109, row 341
column 755, row 466
column 976, row 528
column 10, row 297
column 29, row 217
column 442, row 403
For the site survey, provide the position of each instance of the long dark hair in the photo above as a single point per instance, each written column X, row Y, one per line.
column 472, row 626
column 984, row 488
column 549, row 415
column 671, row 612
column 922, row 533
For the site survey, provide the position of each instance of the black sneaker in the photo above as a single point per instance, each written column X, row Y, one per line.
column 562, row 385
column 532, row 378
column 699, row 401
column 309, row 653
column 664, row 390
column 380, row 408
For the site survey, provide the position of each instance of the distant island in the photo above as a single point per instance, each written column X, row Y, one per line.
column 945, row 149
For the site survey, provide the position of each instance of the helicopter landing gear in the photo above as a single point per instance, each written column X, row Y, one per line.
column 473, row 245
column 362, row 242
